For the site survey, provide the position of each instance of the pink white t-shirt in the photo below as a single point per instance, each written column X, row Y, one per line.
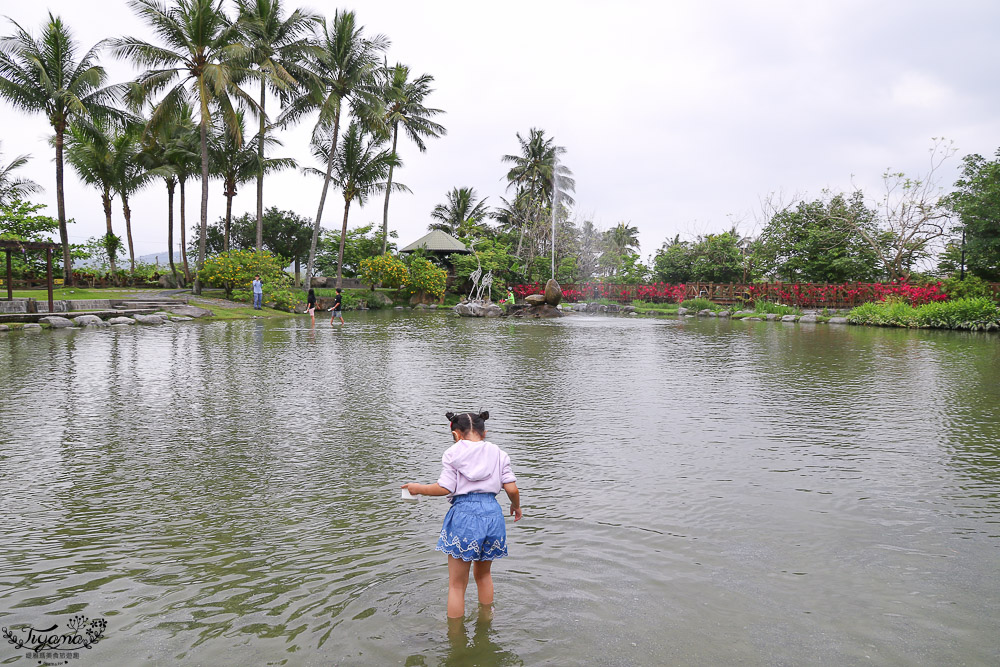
column 475, row 467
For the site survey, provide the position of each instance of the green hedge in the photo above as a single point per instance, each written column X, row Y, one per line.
column 973, row 313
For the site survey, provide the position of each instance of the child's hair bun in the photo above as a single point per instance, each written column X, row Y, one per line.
column 484, row 415
column 450, row 416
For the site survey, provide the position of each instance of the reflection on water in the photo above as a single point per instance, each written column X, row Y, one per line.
column 483, row 648
column 695, row 492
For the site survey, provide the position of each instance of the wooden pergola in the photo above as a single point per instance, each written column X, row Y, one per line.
column 9, row 246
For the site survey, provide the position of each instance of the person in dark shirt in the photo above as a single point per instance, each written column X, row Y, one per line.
column 311, row 305
column 336, row 308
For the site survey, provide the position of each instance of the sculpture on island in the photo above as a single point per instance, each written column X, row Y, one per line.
column 543, row 305
column 475, row 305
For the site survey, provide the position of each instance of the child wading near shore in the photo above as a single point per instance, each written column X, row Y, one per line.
column 473, row 472
column 336, row 310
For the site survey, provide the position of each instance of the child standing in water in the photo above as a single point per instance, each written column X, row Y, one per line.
column 473, row 472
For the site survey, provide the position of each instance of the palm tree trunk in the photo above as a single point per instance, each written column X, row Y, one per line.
column 343, row 237
column 128, row 232
column 61, row 206
column 106, row 200
column 204, row 200
column 388, row 191
column 260, row 174
column 170, row 228
column 298, row 281
column 229, row 217
column 322, row 200
column 184, row 252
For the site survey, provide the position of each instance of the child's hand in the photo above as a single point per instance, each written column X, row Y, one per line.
column 516, row 513
column 412, row 487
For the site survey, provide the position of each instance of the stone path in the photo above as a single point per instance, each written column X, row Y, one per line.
column 193, row 300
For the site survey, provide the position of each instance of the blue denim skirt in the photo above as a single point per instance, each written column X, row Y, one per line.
column 473, row 528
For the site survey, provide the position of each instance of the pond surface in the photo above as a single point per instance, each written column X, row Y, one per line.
column 696, row 492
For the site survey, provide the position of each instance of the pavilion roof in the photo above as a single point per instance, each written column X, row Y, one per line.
column 437, row 241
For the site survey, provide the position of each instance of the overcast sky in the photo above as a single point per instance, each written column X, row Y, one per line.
column 677, row 117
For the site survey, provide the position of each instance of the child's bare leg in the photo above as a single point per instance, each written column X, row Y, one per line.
column 458, row 581
column 484, row 580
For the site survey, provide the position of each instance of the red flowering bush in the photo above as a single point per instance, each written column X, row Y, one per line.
column 797, row 294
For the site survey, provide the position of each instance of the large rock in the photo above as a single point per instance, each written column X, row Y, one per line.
column 319, row 281
column 771, row 317
column 425, row 299
column 705, row 312
column 724, row 313
column 838, row 320
column 181, row 319
column 149, row 319
column 189, row 311
column 4, row 327
column 32, row 326
column 121, row 320
column 89, row 321
column 553, row 293
column 789, row 318
column 543, row 311
column 534, row 299
column 808, row 317
column 682, row 311
column 56, row 322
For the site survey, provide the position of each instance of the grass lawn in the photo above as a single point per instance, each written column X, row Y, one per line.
column 643, row 307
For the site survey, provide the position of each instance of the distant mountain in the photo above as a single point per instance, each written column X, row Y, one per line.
column 161, row 258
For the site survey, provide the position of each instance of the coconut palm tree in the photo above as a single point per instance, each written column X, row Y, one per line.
column 537, row 168
column 623, row 238
column 404, row 107
column 130, row 175
column 460, row 214
column 45, row 76
column 360, row 168
column 154, row 158
column 12, row 188
column 534, row 177
column 237, row 164
column 90, row 150
column 278, row 45
column 185, row 157
column 201, row 61
column 343, row 68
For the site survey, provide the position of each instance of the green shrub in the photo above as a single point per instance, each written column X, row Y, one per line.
column 973, row 313
column 971, row 286
column 893, row 312
column 384, row 269
column 768, row 308
column 699, row 304
column 234, row 271
column 425, row 277
column 969, row 313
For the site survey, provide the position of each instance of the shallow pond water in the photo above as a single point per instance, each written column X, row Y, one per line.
column 695, row 491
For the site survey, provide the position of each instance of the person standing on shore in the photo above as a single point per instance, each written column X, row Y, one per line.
column 509, row 301
column 258, row 293
column 337, row 308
